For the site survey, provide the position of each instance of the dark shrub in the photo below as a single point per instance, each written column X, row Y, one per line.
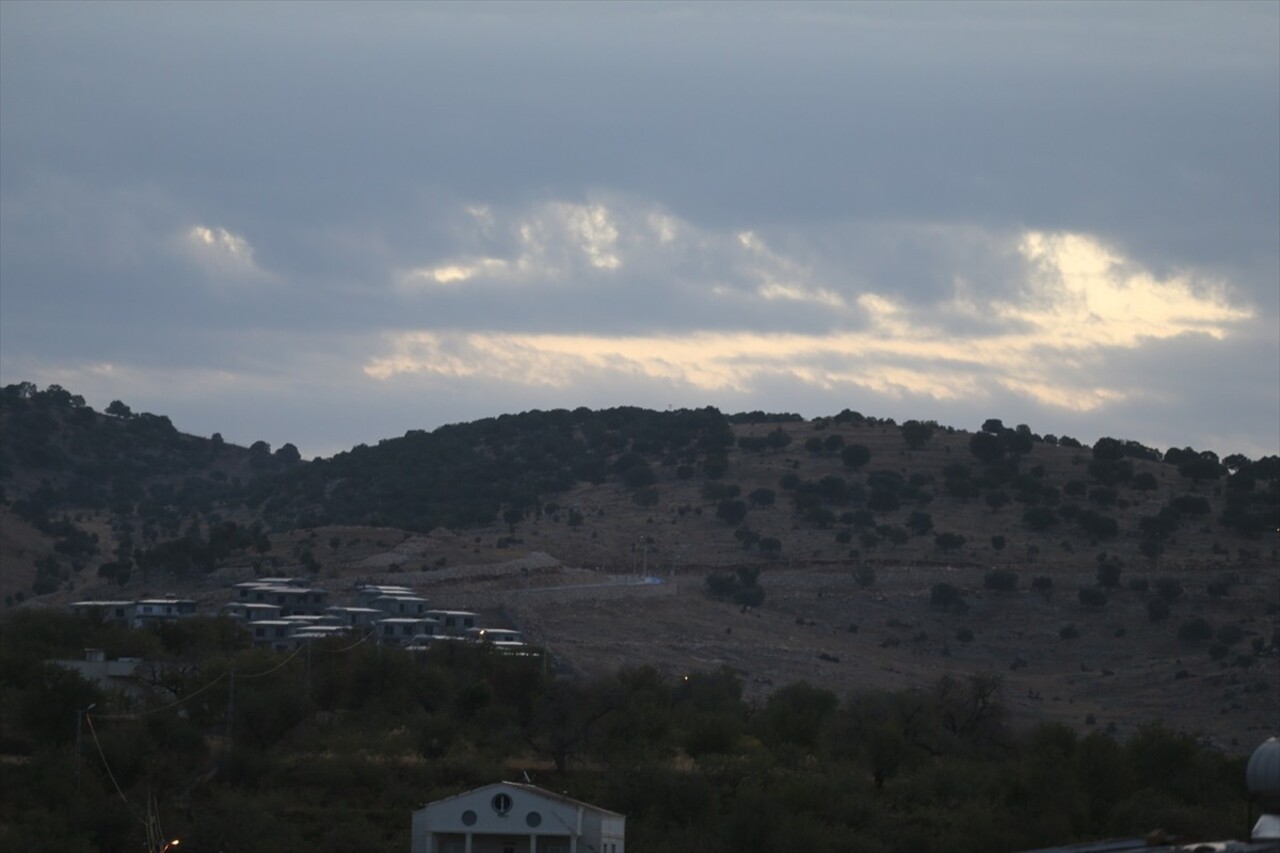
column 1169, row 589
column 1230, row 634
column 1092, row 597
column 1195, row 631
column 944, row 595
column 1004, row 580
column 1157, row 610
column 1068, row 632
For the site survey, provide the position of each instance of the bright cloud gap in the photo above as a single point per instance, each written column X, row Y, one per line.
column 1079, row 299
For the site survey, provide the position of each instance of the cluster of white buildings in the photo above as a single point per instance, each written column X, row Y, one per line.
column 283, row 613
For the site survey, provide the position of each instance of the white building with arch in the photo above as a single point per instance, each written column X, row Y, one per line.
column 508, row 817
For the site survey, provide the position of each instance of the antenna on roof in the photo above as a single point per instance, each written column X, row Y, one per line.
column 527, row 780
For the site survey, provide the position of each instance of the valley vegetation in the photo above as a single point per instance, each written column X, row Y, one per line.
column 331, row 749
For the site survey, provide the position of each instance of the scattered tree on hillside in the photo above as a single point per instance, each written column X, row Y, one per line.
column 917, row 433
column 855, row 456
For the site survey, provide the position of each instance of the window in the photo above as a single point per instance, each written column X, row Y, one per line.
column 501, row 803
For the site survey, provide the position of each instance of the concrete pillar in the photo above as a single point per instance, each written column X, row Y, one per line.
column 466, row 847
column 533, row 843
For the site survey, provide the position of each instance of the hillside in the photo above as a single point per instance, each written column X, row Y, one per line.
column 1074, row 568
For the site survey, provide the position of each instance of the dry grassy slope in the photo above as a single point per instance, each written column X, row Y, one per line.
column 812, row 598
column 614, row 524
column 1121, row 680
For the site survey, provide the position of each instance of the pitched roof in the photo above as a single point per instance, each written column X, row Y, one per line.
column 531, row 789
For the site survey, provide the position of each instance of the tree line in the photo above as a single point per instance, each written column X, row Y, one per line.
column 332, row 747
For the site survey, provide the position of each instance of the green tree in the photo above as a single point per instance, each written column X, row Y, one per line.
column 917, row 433
column 118, row 409
column 855, row 456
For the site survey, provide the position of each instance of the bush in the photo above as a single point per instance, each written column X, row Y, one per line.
column 1108, row 575
column 1138, row 585
column 1068, row 632
column 944, row 595
column 964, row 635
column 1157, row 610
column 1230, row 634
column 1169, row 589
column 1044, row 586
column 865, row 576
column 1092, row 597
column 1004, row 580
column 731, row 511
column 1219, row 587
column 1195, row 630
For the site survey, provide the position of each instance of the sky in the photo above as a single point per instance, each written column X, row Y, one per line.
column 328, row 224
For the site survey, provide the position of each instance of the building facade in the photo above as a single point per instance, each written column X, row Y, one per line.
column 508, row 817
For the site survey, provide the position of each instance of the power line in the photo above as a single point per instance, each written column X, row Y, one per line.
column 103, row 756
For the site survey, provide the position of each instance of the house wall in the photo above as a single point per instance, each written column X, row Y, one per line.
column 558, row 824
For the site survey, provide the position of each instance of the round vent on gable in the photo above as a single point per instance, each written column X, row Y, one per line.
column 533, row 819
column 468, row 817
column 501, row 803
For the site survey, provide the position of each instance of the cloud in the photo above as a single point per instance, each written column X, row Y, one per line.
column 1079, row 302
column 1014, row 209
column 222, row 253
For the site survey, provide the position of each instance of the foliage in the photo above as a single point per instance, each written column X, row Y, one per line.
column 944, row 595
column 1195, row 630
column 1092, row 597
column 1001, row 579
column 741, row 587
column 334, row 756
column 917, row 433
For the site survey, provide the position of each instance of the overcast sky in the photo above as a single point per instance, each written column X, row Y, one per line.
column 328, row 224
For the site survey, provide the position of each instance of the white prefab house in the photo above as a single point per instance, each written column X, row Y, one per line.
column 401, row 605
column 454, row 621
column 251, row 611
column 402, row 629
column 111, row 611
column 356, row 617
column 508, row 817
